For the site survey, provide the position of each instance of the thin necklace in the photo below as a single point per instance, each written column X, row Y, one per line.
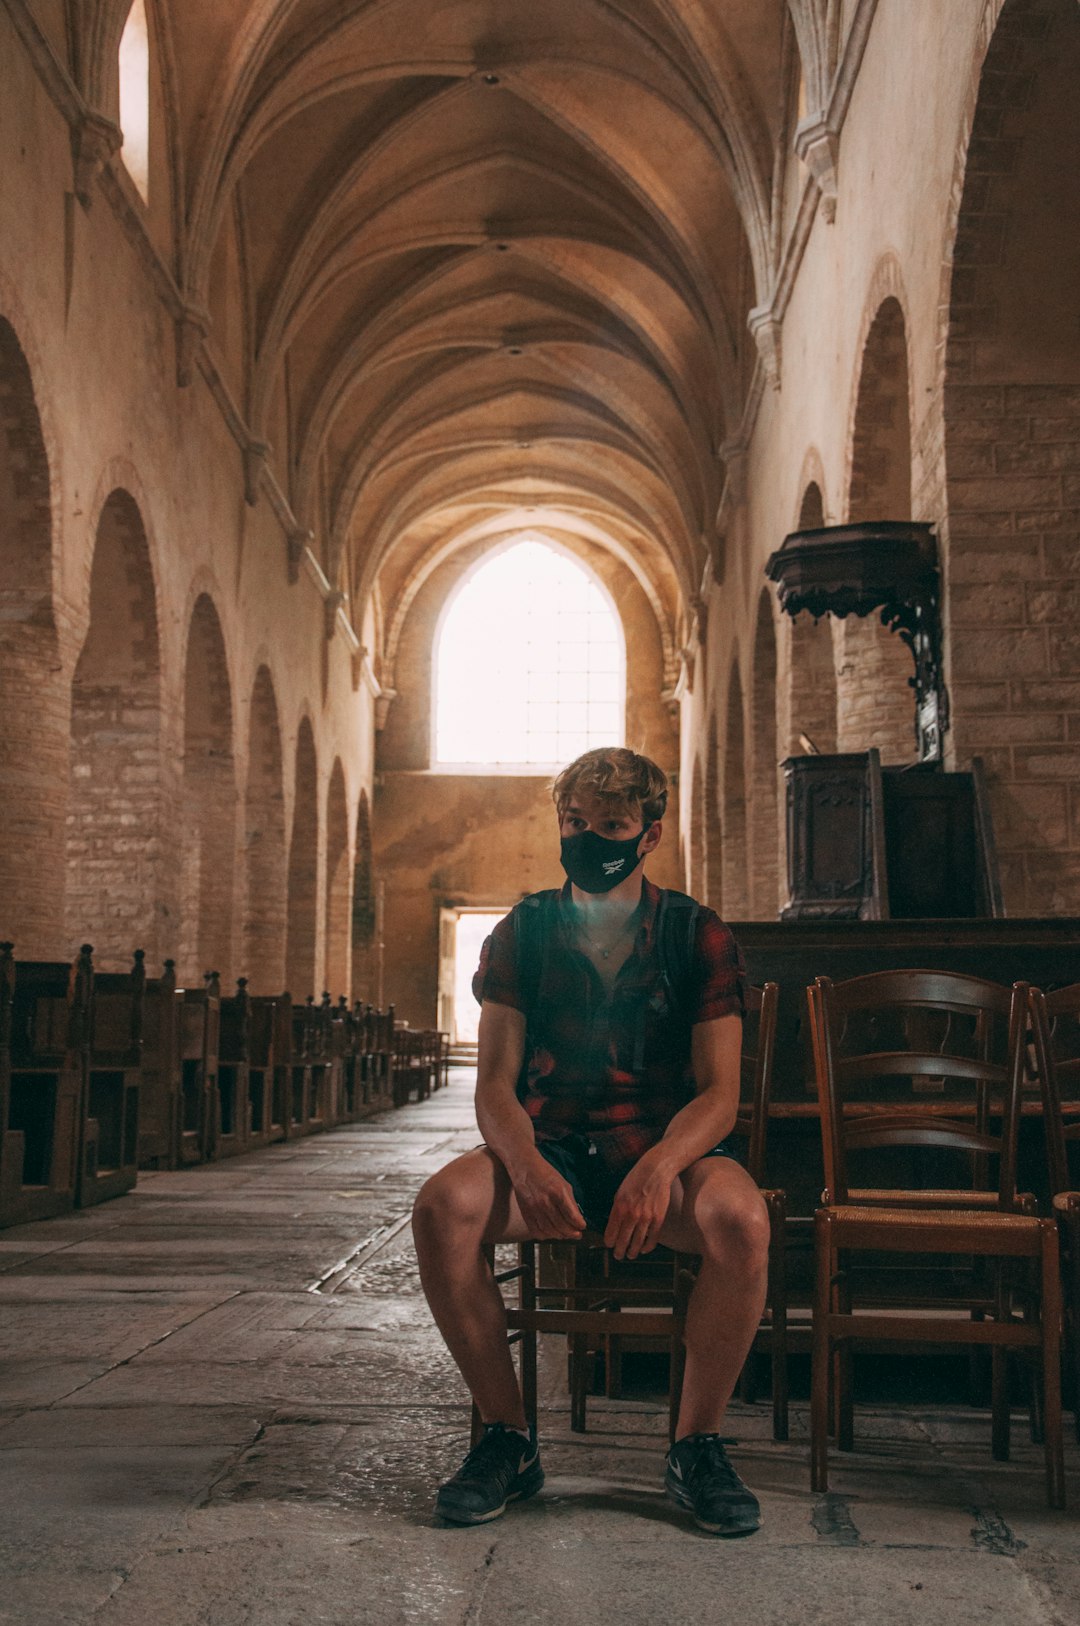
column 606, row 953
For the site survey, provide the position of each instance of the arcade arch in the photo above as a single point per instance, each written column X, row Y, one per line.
column 37, row 702
column 874, row 694
column 265, row 912
column 118, row 888
column 208, row 803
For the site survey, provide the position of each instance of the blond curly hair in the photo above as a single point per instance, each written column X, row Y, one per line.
column 622, row 778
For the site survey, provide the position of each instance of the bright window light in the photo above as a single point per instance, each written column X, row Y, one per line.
column 135, row 98
column 530, row 665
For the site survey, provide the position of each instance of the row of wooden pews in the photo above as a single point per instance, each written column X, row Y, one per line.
column 104, row 1073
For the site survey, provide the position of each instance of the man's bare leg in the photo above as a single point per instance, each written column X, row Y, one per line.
column 718, row 1212
column 467, row 1204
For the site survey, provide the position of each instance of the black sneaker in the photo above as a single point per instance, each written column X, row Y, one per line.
column 503, row 1467
column 700, row 1477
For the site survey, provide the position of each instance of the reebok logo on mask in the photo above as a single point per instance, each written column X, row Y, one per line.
column 597, row 863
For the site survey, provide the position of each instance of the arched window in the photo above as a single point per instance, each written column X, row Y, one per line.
column 530, row 664
column 135, row 98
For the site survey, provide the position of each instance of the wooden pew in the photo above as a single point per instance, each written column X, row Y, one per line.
column 281, row 1039
column 199, row 1021
column 266, row 1121
column 322, row 1100
column 346, row 1044
column 110, row 1132
column 45, row 1074
column 301, row 1061
column 159, row 1091
column 233, row 1127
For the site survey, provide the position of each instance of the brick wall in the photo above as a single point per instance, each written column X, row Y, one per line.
column 1014, row 615
column 1012, row 453
column 713, row 893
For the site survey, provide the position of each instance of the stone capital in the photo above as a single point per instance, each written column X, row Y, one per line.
column 256, row 453
column 297, row 541
column 331, row 605
column 765, row 327
column 192, row 326
column 94, row 139
column 818, row 146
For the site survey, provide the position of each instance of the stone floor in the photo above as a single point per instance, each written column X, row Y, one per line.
column 222, row 1404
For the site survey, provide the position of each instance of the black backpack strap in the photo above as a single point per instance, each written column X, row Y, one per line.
column 530, row 921
column 534, row 919
column 676, row 937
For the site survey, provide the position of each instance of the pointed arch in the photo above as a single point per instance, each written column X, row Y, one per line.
column 119, row 891
column 875, row 699
column 363, row 909
column 263, row 954
column 736, row 866
column 34, row 737
column 208, row 802
column 337, row 975
column 765, row 823
column 303, row 889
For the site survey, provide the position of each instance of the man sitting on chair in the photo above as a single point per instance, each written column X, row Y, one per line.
column 608, row 1081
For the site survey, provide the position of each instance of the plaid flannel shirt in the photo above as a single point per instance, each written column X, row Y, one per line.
column 614, row 1066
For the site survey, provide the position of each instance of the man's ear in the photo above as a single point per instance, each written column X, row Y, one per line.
column 650, row 839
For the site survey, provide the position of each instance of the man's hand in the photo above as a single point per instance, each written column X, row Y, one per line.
column 640, row 1207
column 547, row 1202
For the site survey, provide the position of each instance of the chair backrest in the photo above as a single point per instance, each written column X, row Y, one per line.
column 756, row 1073
column 884, row 1043
column 1055, row 1024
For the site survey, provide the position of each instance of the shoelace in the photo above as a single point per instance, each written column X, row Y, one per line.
column 491, row 1451
column 711, row 1458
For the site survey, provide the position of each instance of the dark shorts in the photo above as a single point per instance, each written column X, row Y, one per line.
column 592, row 1181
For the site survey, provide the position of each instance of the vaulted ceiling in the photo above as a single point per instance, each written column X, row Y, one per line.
column 497, row 257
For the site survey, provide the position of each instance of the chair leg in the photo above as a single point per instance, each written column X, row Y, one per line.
column 999, row 1376
column 527, row 1299
column 1051, row 1350
column 778, row 1321
column 822, row 1355
column 681, row 1287
column 843, row 1364
column 1069, row 1237
column 579, row 1380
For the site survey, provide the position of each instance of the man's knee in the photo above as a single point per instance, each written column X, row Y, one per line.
column 734, row 1224
column 449, row 1204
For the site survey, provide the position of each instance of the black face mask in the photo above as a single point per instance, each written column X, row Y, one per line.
column 597, row 863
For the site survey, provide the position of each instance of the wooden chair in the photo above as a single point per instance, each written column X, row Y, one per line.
column 1055, row 1023
column 581, row 1291
column 907, row 1062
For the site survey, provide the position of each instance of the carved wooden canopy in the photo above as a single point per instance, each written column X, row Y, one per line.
column 884, row 565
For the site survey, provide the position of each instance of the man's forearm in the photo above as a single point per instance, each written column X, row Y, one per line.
column 506, row 1128
column 694, row 1130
